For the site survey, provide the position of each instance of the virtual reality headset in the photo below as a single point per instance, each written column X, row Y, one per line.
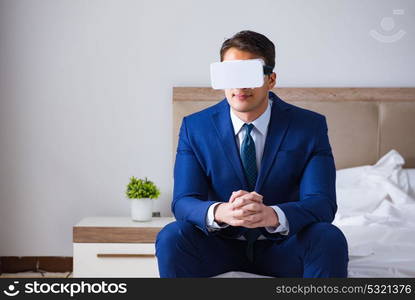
column 232, row 74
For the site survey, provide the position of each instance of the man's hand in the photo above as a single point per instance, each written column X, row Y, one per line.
column 247, row 210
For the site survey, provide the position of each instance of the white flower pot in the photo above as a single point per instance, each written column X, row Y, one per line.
column 141, row 209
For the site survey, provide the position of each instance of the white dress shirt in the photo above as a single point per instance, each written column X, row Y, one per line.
column 259, row 134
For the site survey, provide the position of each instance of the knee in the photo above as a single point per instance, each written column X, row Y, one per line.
column 327, row 236
column 173, row 234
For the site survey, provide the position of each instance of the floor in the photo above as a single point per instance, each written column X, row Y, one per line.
column 36, row 275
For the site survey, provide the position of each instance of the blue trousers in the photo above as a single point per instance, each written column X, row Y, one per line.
column 319, row 250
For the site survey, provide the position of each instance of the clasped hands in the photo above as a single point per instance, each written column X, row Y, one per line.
column 246, row 209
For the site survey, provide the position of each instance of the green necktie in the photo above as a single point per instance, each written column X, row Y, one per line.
column 248, row 157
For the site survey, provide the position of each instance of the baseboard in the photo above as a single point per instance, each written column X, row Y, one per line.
column 15, row 264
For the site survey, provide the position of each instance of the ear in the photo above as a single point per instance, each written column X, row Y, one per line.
column 271, row 80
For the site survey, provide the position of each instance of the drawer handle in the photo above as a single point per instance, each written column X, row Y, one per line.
column 102, row 255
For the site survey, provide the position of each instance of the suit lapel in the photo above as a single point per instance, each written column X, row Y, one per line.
column 222, row 123
column 278, row 125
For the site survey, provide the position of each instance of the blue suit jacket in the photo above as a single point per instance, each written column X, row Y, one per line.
column 297, row 169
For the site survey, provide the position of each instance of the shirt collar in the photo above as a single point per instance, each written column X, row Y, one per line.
column 260, row 123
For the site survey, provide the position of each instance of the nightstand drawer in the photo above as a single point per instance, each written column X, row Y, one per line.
column 115, row 260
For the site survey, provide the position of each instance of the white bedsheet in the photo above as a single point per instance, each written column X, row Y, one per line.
column 376, row 212
column 380, row 251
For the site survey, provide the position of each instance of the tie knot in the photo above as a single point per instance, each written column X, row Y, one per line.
column 248, row 128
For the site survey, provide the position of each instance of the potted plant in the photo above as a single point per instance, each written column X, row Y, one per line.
column 141, row 192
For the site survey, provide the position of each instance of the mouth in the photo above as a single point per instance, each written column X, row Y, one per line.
column 241, row 96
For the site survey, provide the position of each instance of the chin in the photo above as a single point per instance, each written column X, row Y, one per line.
column 242, row 108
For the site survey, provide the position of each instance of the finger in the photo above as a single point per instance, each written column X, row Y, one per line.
column 246, row 223
column 252, row 207
column 239, row 222
column 254, row 225
column 253, row 197
column 236, row 195
column 241, row 214
column 254, row 218
column 245, row 199
column 240, row 202
column 240, row 218
column 257, row 196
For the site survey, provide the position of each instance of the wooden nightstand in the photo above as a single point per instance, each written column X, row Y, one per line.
column 116, row 247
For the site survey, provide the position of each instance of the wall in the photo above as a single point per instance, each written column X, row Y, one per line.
column 86, row 86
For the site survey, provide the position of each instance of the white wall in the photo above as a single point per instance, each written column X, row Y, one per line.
column 86, row 86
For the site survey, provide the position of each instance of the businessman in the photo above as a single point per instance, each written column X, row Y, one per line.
column 254, row 185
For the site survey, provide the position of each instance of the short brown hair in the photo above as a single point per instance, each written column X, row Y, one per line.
column 252, row 42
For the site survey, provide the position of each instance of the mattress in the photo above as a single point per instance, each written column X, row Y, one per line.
column 380, row 251
column 386, row 246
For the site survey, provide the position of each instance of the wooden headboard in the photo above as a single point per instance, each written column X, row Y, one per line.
column 363, row 123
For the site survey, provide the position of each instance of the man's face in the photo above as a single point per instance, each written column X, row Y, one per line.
column 248, row 99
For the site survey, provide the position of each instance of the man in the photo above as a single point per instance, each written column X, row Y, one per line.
column 254, row 185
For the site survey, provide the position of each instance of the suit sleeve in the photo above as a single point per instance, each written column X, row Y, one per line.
column 190, row 192
column 317, row 201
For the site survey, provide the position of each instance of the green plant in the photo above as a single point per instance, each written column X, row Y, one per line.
column 142, row 188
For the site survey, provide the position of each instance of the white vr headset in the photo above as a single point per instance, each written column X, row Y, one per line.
column 232, row 74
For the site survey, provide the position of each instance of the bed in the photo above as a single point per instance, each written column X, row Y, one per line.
column 371, row 131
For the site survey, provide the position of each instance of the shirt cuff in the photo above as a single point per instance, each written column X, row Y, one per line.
column 210, row 219
column 283, row 228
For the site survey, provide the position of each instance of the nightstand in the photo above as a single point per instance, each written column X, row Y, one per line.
column 116, row 247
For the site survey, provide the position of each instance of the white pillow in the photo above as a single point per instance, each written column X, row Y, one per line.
column 362, row 189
